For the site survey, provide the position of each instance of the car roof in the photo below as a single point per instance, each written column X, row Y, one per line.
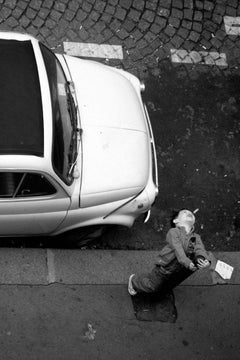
column 21, row 116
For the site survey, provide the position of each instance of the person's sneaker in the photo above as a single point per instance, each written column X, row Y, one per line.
column 131, row 290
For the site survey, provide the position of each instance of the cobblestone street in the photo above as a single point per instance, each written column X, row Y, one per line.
column 188, row 54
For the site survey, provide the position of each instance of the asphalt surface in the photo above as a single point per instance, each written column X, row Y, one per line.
column 193, row 106
column 68, row 304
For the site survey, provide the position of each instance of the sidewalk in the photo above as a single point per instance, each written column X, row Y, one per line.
column 72, row 304
column 91, row 267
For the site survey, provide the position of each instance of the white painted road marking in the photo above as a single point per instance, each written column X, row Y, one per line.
column 198, row 57
column 93, row 50
column 232, row 25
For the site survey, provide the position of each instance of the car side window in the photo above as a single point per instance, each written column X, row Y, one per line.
column 19, row 185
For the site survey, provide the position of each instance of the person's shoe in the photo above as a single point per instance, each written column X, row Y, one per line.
column 131, row 290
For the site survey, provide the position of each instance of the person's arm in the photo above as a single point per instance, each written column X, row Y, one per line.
column 174, row 242
column 201, row 255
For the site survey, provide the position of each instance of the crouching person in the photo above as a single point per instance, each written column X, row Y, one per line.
column 183, row 254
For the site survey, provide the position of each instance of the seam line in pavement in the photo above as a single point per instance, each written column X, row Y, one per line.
column 51, row 277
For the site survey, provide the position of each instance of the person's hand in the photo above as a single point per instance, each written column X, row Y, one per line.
column 201, row 264
column 192, row 267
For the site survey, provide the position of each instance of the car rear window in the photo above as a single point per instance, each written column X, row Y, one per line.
column 21, row 119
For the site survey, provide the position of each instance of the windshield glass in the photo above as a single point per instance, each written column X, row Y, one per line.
column 64, row 117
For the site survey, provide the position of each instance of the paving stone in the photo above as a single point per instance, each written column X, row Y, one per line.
column 220, row 34
column 50, row 23
column 45, row 31
column 219, row 9
column 88, row 24
column 60, row 7
column 12, row 22
column 71, row 35
column 187, row 24
column 31, row 14
column 138, row 4
column 106, row 18
column 22, row 4
column 122, row 34
column 94, row 15
column 189, row 45
column 69, row 15
column 129, row 25
column 73, row 5
column 231, row 11
column 141, row 44
column 170, row 31
column 5, row 12
column 148, row 16
column 120, row 13
column 38, row 22
column 55, row 15
column 166, row 3
column 197, row 27
column 183, row 33
column 134, row 15
column 162, row 22
column 125, row 4
column 206, row 44
column 135, row 55
column 151, row 5
column 35, row 4
column 209, row 25
column 83, row 34
column 137, row 34
column 17, row 13
column 155, row 44
column 47, row 4
column 177, row 41
column 188, row 14
column 174, row 22
column 100, row 6
column 146, row 51
column 194, row 36
column 164, row 12
column 10, row 3
column 24, row 21
column 155, row 28
column 208, row 5
column 199, row 5
column 86, row 7
column 115, row 25
column 216, row 43
column 177, row 4
column 32, row 30
column 206, row 34
column 198, row 16
column 129, row 43
column 177, row 13
column 110, row 9
column 144, row 25
column 81, row 15
column 217, row 18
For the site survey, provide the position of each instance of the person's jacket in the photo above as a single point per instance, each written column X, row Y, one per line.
column 177, row 247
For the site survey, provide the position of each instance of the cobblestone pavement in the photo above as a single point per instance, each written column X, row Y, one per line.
column 190, row 63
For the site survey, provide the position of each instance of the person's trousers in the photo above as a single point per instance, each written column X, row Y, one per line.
column 159, row 279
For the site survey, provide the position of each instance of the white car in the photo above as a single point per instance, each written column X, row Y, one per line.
column 76, row 144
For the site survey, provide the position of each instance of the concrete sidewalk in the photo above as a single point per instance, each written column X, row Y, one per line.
column 91, row 267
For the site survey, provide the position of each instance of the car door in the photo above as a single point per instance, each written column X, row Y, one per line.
column 30, row 204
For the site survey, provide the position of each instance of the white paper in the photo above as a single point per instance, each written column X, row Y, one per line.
column 224, row 270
